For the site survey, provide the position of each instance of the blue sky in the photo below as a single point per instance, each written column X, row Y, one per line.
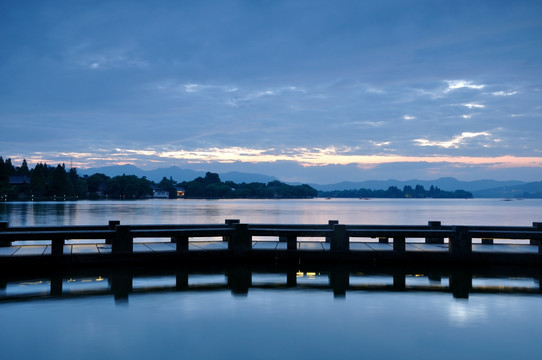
column 311, row 91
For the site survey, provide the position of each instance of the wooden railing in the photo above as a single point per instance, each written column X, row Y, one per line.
column 239, row 237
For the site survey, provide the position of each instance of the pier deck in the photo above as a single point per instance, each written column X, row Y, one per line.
column 160, row 247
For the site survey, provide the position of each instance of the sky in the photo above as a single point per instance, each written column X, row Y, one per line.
column 309, row 91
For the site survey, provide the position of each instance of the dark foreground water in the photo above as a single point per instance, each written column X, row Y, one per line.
column 245, row 314
column 210, row 320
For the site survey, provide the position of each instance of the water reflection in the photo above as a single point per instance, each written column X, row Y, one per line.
column 310, row 211
column 241, row 280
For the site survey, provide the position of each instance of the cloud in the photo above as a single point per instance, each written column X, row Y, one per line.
column 462, row 84
column 87, row 58
column 330, row 155
column 379, row 144
column 409, row 117
column 474, row 106
column 178, row 88
column 455, row 143
column 504, row 93
column 251, row 95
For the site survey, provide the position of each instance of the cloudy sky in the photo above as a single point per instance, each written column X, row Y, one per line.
column 312, row 91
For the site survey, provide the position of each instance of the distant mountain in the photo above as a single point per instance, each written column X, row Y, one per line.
column 528, row 190
column 447, row 184
column 115, row 170
column 241, row 177
column 174, row 172
column 479, row 188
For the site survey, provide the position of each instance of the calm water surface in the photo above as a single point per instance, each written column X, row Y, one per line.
column 347, row 211
column 268, row 322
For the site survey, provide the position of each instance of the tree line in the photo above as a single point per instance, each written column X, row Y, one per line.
column 211, row 186
column 394, row 192
column 45, row 182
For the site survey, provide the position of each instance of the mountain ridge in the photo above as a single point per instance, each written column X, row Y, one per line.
column 178, row 174
column 483, row 188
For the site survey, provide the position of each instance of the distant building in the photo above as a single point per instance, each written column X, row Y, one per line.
column 19, row 180
column 160, row 194
column 180, row 192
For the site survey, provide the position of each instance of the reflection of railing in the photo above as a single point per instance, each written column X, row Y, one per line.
column 340, row 280
column 337, row 240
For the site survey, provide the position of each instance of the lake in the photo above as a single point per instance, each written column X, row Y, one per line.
column 194, row 314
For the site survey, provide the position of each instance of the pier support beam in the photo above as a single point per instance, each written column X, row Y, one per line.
column 56, row 286
column 3, row 227
column 239, row 280
column 181, row 280
column 460, row 283
column 538, row 227
column 57, row 247
column 339, row 280
column 121, row 286
column 291, row 242
column 399, row 280
column 460, row 245
column 399, row 243
column 291, row 277
column 123, row 241
column 181, row 244
column 340, row 242
column 241, row 240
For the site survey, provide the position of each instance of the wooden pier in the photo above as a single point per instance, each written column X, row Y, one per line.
column 234, row 242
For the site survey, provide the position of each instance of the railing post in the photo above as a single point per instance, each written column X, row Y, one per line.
column 291, row 242
column 230, row 222
column 57, row 247
column 460, row 245
column 340, row 242
column 241, row 240
column 434, row 225
column 331, row 223
column 3, row 227
column 538, row 227
column 112, row 225
column 181, row 244
column 399, row 243
column 123, row 242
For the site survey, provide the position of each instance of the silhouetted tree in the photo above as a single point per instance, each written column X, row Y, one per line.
column 38, row 180
column 169, row 186
column 59, row 185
